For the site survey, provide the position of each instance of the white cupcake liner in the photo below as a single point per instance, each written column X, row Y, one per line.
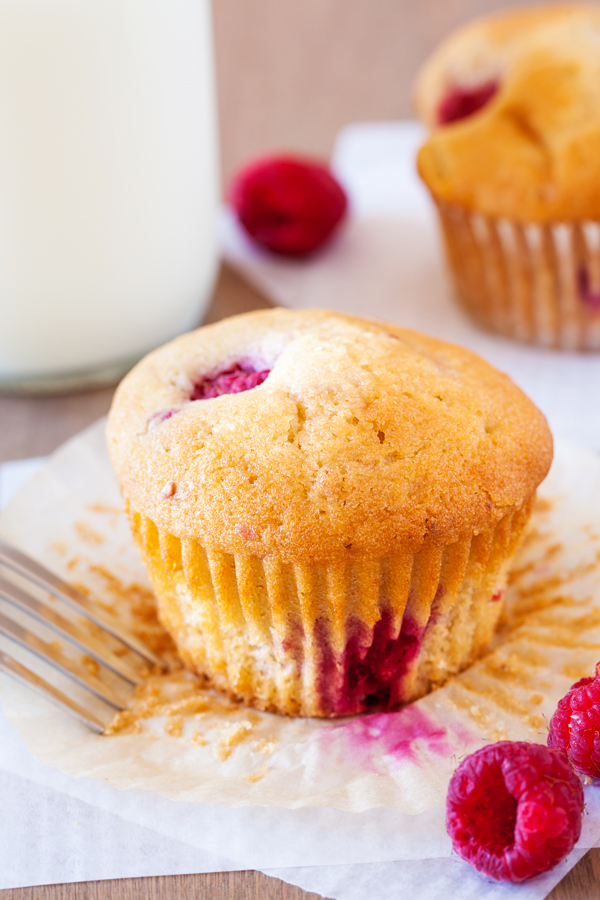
column 294, row 638
column 534, row 283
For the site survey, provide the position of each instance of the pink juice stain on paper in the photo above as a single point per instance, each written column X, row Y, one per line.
column 402, row 735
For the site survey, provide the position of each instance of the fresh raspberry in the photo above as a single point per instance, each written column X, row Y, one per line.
column 575, row 726
column 237, row 378
column 460, row 103
column 514, row 809
column 290, row 206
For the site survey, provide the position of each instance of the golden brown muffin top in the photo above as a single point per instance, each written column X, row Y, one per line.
column 364, row 438
column 529, row 153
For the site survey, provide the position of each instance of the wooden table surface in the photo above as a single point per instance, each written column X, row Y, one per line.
column 290, row 75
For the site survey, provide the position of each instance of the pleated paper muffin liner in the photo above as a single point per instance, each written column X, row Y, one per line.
column 335, row 639
column 534, row 283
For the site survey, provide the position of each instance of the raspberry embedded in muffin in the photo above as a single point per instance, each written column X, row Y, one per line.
column 370, row 673
column 462, row 102
column 160, row 416
column 239, row 377
column 589, row 297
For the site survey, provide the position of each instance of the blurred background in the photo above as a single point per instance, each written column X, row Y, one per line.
column 290, row 74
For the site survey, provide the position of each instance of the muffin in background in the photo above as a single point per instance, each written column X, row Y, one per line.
column 327, row 505
column 512, row 162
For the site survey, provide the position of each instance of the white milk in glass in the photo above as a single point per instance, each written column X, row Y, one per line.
column 108, row 183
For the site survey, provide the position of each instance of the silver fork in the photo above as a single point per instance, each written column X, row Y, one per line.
column 119, row 657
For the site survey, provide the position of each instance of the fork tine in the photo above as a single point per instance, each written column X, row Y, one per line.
column 19, row 598
column 23, row 675
column 29, row 568
column 50, row 654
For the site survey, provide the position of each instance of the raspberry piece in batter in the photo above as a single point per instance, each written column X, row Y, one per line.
column 237, row 378
column 462, row 102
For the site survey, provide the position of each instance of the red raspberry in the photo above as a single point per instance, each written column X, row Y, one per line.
column 460, row 103
column 238, row 378
column 575, row 726
column 290, row 206
column 514, row 809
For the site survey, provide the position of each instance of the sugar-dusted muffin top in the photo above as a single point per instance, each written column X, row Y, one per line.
column 308, row 435
column 514, row 104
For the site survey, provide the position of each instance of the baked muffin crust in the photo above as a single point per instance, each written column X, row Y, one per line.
column 530, row 153
column 363, row 438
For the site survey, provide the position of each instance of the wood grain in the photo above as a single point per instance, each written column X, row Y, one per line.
column 214, row 886
column 582, row 883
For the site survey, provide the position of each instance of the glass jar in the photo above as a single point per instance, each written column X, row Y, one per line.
column 108, row 184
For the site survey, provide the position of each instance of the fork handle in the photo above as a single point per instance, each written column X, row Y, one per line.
column 29, row 679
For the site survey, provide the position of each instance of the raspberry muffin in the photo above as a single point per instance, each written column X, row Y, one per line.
column 327, row 505
column 512, row 163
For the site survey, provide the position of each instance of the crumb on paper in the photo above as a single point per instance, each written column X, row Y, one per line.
column 104, row 508
column 482, row 717
column 268, row 746
column 538, row 565
column 123, row 721
column 235, row 734
column 507, row 668
column 176, row 694
column 195, row 705
column 92, row 666
column 60, row 547
column 253, row 777
column 535, row 723
column 87, row 534
column 134, row 604
column 502, row 698
column 174, row 726
column 575, row 671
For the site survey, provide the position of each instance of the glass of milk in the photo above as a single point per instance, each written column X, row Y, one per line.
column 108, row 184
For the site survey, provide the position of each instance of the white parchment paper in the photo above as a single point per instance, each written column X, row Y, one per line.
column 76, row 841
column 361, row 790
